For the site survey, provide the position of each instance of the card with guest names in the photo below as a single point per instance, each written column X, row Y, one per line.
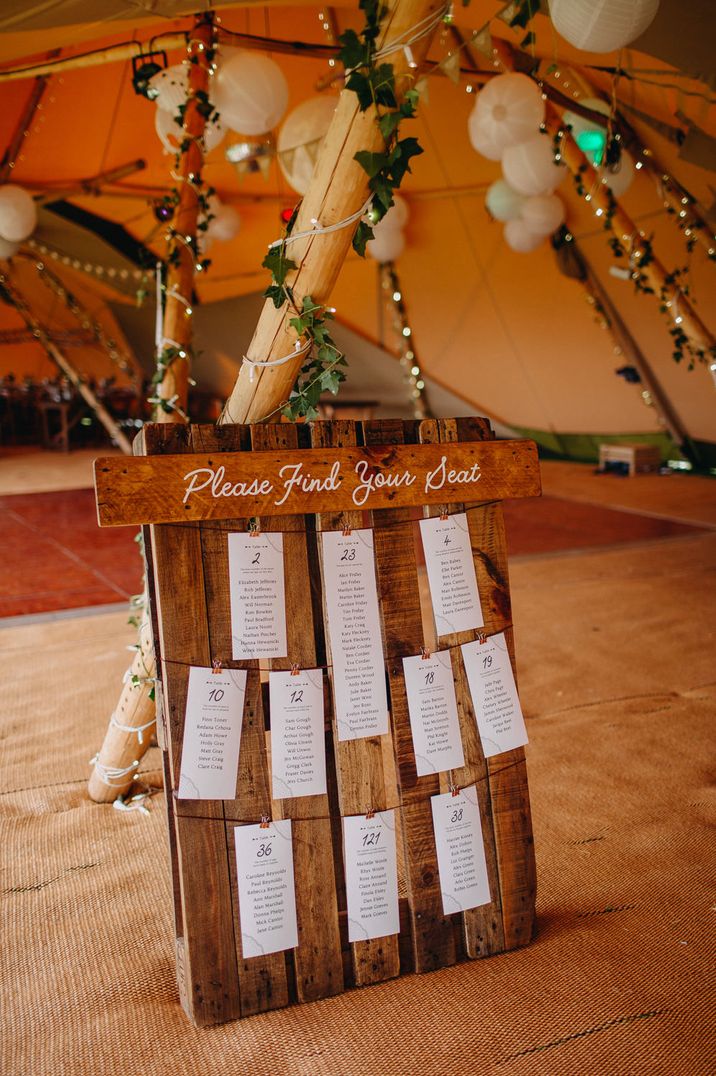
column 451, row 574
column 298, row 746
column 371, row 866
column 267, row 894
column 212, row 734
column 257, row 596
column 461, row 852
column 494, row 695
column 432, row 707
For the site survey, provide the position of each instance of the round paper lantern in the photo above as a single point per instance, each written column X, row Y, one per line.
column 542, row 213
column 601, row 25
column 620, row 180
column 300, row 138
column 509, row 110
column 225, row 224
column 250, row 93
column 387, row 244
column 8, row 249
column 171, row 133
column 530, row 168
column 480, row 139
column 397, row 216
column 170, row 87
column 18, row 213
column 521, row 238
column 502, row 202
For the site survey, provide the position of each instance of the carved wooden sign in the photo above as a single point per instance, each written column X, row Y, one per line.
column 167, row 489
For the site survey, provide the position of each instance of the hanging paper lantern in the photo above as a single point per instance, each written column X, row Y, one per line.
column 397, row 216
column 590, row 137
column 171, row 133
column 601, row 25
column 620, row 180
column 387, row 244
column 250, row 93
column 502, row 202
column 169, row 88
column 530, row 168
column 481, row 140
column 8, row 249
column 542, row 213
column 521, row 238
column 509, row 110
column 300, row 139
column 226, row 222
column 18, row 213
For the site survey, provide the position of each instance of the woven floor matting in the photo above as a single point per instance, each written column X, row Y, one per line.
column 617, row 678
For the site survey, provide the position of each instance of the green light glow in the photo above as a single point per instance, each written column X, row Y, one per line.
column 592, row 143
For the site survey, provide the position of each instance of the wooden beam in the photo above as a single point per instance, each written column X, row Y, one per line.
column 91, row 185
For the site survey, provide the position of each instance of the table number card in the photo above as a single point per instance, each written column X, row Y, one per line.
column 298, row 748
column 361, row 700
column 267, row 894
column 461, row 852
column 494, row 695
column 433, row 713
column 371, row 876
column 257, row 596
column 212, row 734
column 451, row 574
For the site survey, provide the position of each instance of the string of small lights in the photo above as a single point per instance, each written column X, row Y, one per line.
column 412, row 374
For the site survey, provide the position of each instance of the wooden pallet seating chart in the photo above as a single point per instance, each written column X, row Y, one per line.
column 191, row 487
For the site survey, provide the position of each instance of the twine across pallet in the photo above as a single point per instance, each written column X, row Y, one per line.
column 188, row 568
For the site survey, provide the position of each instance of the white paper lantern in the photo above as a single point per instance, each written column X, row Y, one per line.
column 226, row 222
column 171, row 133
column 502, row 202
column 480, row 139
column 509, row 110
column 18, row 213
column 542, row 213
column 250, row 93
column 397, row 216
column 530, row 168
column 621, row 179
column 387, row 244
column 8, row 249
column 601, row 25
column 300, row 138
column 171, row 87
column 521, row 238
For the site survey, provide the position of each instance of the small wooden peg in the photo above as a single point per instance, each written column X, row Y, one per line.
column 215, row 666
column 454, row 790
column 264, row 823
column 254, row 528
column 481, row 637
column 370, row 813
column 424, row 653
column 295, row 671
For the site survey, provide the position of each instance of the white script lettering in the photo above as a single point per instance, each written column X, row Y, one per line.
column 207, row 476
column 371, row 482
column 306, row 483
column 440, row 476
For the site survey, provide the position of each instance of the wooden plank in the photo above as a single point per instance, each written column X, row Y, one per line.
column 150, row 489
column 432, row 934
column 318, row 959
column 360, row 772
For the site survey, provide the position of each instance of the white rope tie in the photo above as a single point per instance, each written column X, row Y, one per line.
column 139, row 729
column 133, row 803
column 110, row 774
column 298, row 349
column 320, row 229
column 412, row 35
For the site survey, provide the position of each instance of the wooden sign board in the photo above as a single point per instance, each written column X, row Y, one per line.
column 166, row 489
column 188, row 569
